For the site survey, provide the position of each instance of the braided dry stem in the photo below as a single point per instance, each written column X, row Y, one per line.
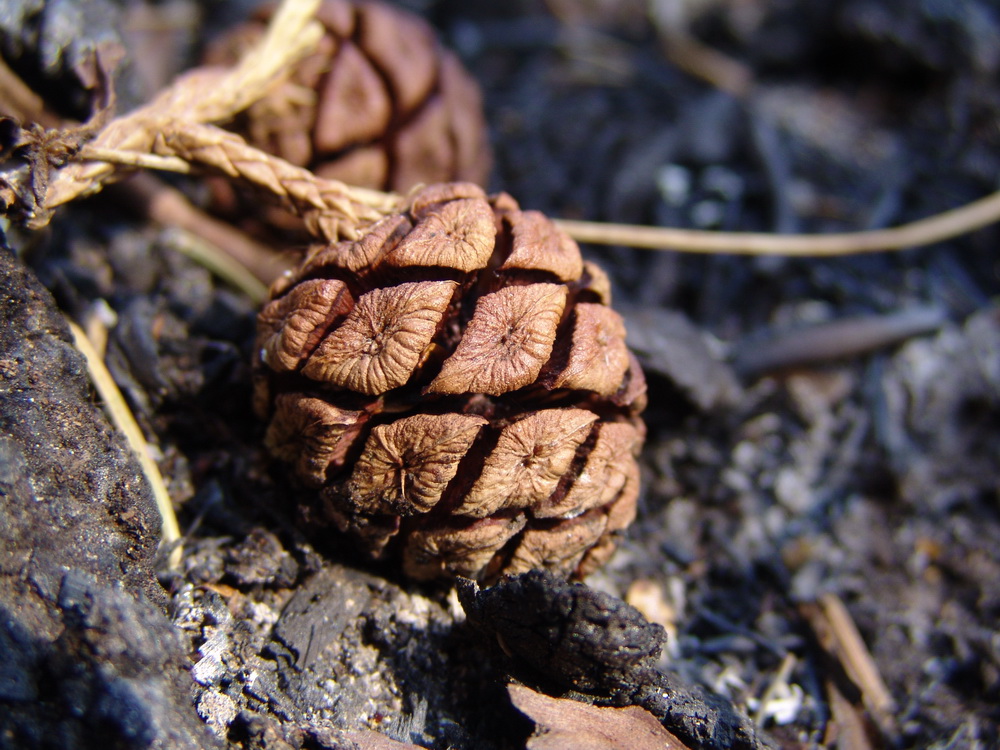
column 331, row 209
column 202, row 96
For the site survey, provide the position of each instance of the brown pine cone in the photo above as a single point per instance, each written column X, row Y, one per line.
column 455, row 385
column 380, row 104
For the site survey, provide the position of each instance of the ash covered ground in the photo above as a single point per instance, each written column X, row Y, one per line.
column 818, row 430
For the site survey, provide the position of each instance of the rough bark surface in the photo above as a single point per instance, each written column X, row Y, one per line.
column 88, row 656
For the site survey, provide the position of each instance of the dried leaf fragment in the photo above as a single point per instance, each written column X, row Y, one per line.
column 384, row 338
column 539, row 245
column 458, row 234
column 407, row 465
column 563, row 724
column 529, row 460
column 290, row 328
column 506, row 343
column 311, row 433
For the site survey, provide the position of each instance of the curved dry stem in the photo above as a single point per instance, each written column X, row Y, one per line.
column 943, row 226
column 331, row 209
column 135, row 159
column 203, row 95
column 226, row 267
column 291, row 34
column 172, row 132
column 122, row 418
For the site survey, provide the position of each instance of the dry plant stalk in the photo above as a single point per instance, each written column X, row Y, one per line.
column 176, row 126
column 122, row 417
column 172, row 131
column 331, row 209
column 161, row 134
column 444, row 369
column 937, row 228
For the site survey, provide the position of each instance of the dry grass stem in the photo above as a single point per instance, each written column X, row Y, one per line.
column 121, row 417
column 136, row 159
column 174, row 132
column 331, row 209
column 222, row 264
column 943, row 226
column 204, row 95
column 856, row 658
column 291, row 35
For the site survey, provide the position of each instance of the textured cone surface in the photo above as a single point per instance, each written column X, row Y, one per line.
column 458, row 390
column 380, row 104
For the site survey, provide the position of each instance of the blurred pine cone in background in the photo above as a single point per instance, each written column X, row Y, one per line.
column 455, row 385
column 380, row 104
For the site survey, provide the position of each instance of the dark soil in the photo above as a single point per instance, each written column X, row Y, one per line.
column 816, row 427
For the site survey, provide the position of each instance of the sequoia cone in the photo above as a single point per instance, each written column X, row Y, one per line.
column 379, row 104
column 454, row 384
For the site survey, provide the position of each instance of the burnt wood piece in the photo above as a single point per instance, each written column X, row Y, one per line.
column 89, row 658
column 572, row 641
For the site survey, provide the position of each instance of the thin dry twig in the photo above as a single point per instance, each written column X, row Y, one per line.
column 174, row 133
column 857, row 659
column 122, row 418
column 943, row 226
column 839, row 637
